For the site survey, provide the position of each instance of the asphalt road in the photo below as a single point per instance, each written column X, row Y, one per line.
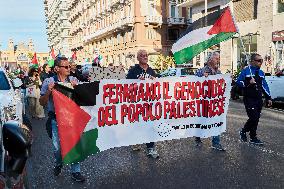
column 181, row 163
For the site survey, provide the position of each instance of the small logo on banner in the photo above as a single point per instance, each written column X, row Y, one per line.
column 163, row 129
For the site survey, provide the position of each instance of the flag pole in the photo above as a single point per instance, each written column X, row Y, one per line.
column 206, row 12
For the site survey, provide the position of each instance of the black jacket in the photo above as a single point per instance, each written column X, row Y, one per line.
column 136, row 71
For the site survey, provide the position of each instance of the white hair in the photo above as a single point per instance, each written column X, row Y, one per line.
column 141, row 51
column 212, row 55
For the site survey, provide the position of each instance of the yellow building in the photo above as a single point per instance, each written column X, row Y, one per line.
column 21, row 54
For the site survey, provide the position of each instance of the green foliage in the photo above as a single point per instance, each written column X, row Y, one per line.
column 162, row 62
column 30, row 55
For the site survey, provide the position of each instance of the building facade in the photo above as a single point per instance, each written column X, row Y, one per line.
column 117, row 29
column 20, row 54
column 260, row 28
column 58, row 26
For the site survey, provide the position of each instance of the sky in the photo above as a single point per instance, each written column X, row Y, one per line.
column 22, row 20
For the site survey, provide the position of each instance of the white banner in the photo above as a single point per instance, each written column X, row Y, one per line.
column 134, row 111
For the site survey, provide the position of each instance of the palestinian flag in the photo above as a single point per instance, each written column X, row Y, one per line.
column 34, row 63
column 204, row 33
column 74, row 56
column 77, row 136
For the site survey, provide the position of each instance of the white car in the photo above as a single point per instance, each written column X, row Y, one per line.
column 178, row 72
column 275, row 84
column 10, row 99
column 15, row 136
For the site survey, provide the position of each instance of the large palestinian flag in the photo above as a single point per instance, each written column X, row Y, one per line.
column 74, row 132
column 204, row 33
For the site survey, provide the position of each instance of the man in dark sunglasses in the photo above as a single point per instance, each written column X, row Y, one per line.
column 62, row 67
column 252, row 80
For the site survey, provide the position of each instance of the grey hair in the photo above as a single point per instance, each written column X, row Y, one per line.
column 211, row 55
column 140, row 51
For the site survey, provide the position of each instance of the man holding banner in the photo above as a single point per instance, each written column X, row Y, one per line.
column 211, row 68
column 62, row 66
column 144, row 71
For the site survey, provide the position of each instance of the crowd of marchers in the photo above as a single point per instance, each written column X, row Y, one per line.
column 43, row 79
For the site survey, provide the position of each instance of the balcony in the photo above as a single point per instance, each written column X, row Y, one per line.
column 63, row 7
column 188, row 21
column 63, row 17
column 150, row 19
column 175, row 20
column 121, row 24
column 109, row 9
column 127, row 21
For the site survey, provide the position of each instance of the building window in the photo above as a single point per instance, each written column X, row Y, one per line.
column 280, row 7
column 151, row 33
column 173, row 10
column 173, row 34
column 152, row 7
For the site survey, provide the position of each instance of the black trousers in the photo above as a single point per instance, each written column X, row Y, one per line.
column 253, row 109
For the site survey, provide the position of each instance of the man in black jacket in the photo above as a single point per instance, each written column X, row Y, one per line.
column 143, row 71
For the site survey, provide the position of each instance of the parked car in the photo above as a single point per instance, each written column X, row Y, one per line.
column 275, row 84
column 178, row 72
column 15, row 136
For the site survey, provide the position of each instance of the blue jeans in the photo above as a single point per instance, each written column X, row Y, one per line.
column 56, row 148
column 216, row 139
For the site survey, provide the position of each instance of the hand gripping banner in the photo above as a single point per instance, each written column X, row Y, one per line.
column 114, row 113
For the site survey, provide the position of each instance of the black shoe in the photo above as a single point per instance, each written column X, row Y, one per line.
column 243, row 136
column 198, row 141
column 256, row 141
column 77, row 177
column 57, row 170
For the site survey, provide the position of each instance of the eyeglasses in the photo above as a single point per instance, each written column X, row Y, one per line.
column 259, row 60
column 66, row 67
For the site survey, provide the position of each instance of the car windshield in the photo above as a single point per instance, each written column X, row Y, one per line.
column 4, row 84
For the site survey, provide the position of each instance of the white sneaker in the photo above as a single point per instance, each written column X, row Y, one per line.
column 152, row 153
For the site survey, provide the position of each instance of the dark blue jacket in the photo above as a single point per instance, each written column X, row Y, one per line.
column 253, row 90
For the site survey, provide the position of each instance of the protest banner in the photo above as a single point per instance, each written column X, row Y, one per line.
column 128, row 112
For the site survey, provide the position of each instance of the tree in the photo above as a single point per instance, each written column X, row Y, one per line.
column 162, row 62
column 30, row 55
